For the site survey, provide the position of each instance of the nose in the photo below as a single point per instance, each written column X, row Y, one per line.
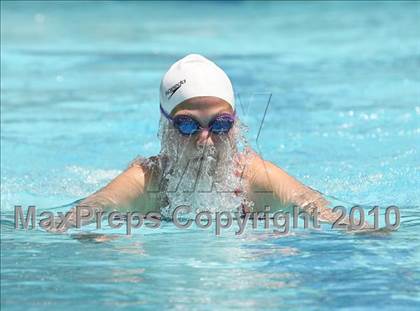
column 204, row 138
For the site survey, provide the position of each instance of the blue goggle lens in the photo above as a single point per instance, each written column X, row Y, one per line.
column 188, row 126
column 221, row 125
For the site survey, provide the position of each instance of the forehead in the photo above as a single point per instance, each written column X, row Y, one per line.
column 203, row 105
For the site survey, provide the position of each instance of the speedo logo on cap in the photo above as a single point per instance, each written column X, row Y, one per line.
column 174, row 88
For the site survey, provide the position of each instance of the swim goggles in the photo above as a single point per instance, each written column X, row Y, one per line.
column 187, row 125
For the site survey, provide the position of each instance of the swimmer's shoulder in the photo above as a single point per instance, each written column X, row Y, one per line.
column 143, row 162
column 148, row 171
column 148, row 167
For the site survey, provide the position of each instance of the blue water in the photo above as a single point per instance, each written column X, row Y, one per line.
column 79, row 100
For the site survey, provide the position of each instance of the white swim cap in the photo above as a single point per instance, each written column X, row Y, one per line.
column 192, row 76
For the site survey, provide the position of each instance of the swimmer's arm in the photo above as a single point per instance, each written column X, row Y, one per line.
column 121, row 193
column 266, row 177
column 290, row 191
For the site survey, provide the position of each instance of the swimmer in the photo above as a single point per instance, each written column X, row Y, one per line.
column 200, row 163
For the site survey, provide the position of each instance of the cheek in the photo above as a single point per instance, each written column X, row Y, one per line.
column 224, row 139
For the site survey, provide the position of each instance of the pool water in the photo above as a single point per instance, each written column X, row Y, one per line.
column 79, row 101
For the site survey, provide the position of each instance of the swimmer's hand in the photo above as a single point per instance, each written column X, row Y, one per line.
column 365, row 229
column 94, row 237
column 371, row 231
column 62, row 224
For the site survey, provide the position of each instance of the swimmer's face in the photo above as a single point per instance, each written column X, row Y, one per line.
column 203, row 109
